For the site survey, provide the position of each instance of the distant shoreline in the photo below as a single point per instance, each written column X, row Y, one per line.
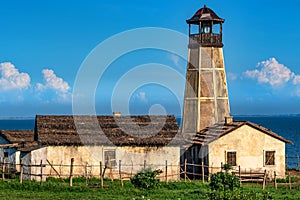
column 17, row 118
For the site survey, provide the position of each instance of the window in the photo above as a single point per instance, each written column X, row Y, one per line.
column 5, row 154
column 110, row 158
column 231, row 158
column 270, row 158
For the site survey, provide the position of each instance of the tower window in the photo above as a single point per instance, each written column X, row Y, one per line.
column 231, row 158
column 270, row 158
column 205, row 28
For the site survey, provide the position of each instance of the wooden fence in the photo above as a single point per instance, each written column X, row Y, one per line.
column 185, row 172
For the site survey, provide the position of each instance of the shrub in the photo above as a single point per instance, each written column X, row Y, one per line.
column 224, row 181
column 146, row 179
column 227, row 167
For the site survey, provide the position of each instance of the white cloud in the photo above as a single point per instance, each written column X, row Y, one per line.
column 272, row 72
column 54, row 83
column 11, row 78
column 296, row 80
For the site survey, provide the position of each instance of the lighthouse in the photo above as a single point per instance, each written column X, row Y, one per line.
column 206, row 94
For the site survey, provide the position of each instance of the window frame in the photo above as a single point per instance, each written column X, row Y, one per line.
column 266, row 163
column 113, row 161
column 226, row 157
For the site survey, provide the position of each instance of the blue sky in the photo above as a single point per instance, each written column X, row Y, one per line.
column 43, row 44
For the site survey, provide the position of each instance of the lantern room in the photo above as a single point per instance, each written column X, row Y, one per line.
column 205, row 28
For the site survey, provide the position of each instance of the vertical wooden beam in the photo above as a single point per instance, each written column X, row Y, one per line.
column 185, row 161
column 86, row 173
column 120, row 172
column 71, row 172
column 21, row 173
column 264, row 180
column 240, row 180
column 221, row 166
column 166, row 174
column 41, row 172
column 290, row 184
column 193, row 167
column 3, row 171
column 275, row 180
column 200, row 34
column 145, row 164
column 101, row 174
column 202, row 165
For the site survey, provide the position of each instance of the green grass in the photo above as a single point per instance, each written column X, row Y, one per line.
column 59, row 189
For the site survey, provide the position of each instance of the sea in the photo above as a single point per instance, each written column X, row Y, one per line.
column 288, row 126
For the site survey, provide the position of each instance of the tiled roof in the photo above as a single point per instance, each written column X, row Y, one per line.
column 17, row 136
column 99, row 130
column 205, row 14
column 216, row 131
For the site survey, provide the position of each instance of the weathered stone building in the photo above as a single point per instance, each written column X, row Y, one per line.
column 133, row 140
column 11, row 144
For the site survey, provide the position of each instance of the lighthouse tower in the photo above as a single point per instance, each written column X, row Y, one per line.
column 206, row 96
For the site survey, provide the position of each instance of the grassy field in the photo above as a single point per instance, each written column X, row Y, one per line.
column 59, row 189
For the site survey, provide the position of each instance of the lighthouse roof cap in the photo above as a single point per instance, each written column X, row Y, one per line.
column 205, row 14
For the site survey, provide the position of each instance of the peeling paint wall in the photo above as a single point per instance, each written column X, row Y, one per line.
column 250, row 146
column 132, row 160
column 34, row 158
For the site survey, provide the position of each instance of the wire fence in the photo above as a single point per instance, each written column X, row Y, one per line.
column 292, row 162
column 123, row 171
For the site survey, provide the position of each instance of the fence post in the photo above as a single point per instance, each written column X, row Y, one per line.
column 145, row 164
column 166, row 174
column 41, row 172
column 185, row 170
column 210, row 170
column 221, row 166
column 3, row 170
column 60, row 166
column 240, row 180
column 275, row 180
column 86, row 173
column 120, row 172
column 290, row 184
column 21, row 172
column 202, row 165
column 101, row 175
column 264, row 180
column 71, row 172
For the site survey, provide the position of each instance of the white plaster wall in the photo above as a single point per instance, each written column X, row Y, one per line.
column 155, row 158
column 250, row 145
column 132, row 159
column 35, row 159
